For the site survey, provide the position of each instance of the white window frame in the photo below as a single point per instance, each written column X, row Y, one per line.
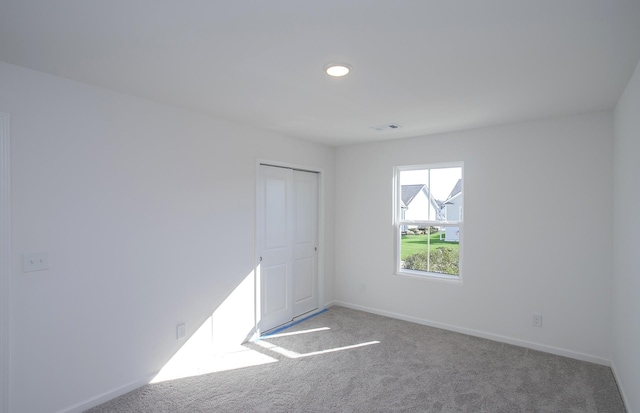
column 398, row 222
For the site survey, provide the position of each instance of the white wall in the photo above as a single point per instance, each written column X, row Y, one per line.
column 147, row 214
column 558, row 265
column 626, row 244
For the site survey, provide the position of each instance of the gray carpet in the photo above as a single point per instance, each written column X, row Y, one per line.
column 413, row 368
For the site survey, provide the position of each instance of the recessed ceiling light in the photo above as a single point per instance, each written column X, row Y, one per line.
column 337, row 70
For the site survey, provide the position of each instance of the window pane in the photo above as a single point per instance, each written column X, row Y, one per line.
column 430, row 249
column 446, row 186
column 431, row 194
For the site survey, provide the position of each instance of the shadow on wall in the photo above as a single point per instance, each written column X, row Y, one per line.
column 216, row 345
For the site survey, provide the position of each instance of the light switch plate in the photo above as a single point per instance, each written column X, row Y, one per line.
column 180, row 331
column 37, row 261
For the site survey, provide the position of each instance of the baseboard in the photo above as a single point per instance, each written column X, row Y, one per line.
column 106, row 396
column 620, row 388
column 490, row 336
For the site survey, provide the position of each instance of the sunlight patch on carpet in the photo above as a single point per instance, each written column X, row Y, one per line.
column 293, row 333
column 294, row 355
column 213, row 363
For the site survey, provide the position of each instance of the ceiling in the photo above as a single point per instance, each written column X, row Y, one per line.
column 429, row 66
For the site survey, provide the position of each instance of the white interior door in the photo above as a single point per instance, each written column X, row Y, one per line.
column 305, row 236
column 275, row 246
column 287, row 244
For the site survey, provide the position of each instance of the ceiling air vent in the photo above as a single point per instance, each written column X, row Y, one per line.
column 390, row 126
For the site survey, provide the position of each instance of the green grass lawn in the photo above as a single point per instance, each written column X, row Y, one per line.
column 412, row 244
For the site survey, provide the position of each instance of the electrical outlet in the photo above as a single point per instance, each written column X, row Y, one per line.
column 363, row 287
column 180, row 331
column 35, row 262
column 536, row 320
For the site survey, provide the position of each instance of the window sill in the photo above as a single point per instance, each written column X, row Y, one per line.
column 450, row 279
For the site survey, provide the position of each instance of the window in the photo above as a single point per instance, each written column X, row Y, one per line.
column 428, row 224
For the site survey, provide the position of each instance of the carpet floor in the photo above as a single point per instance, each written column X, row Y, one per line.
column 345, row 360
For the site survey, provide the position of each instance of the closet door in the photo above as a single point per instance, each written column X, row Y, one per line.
column 305, row 242
column 275, row 227
column 287, row 244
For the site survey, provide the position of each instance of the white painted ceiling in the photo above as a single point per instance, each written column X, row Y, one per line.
column 429, row 66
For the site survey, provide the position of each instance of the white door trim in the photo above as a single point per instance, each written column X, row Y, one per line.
column 5, row 261
column 301, row 167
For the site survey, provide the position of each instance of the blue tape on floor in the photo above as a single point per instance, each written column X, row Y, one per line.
column 284, row 327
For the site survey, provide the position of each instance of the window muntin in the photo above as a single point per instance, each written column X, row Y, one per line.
column 428, row 219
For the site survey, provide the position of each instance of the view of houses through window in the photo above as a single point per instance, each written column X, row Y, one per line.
column 429, row 208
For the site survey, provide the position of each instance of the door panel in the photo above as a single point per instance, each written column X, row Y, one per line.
column 303, row 270
column 303, row 209
column 275, row 288
column 275, row 229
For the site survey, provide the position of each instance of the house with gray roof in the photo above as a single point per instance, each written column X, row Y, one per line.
column 417, row 204
column 452, row 211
